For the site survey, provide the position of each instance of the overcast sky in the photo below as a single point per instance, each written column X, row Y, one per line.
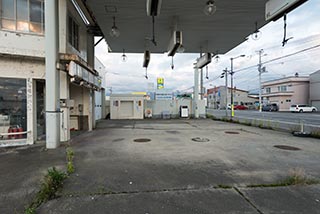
column 302, row 24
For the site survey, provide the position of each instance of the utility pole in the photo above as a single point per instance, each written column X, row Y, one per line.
column 201, row 80
column 260, row 70
column 225, row 75
column 232, row 72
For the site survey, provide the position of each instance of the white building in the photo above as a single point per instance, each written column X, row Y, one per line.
column 315, row 89
column 100, row 96
column 22, row 71
column 126, row 106
column 217, row 97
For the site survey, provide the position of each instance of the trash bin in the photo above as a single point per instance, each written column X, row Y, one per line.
column 184, row 111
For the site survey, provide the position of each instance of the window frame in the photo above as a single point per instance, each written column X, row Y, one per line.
column 75, row 40
column 28, row 21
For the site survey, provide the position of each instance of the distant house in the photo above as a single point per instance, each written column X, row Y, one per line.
column 286, row 91
column 217, row 97
column 315, row 89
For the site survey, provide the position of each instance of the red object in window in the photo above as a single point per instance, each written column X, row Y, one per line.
column 9, row 131
column 13, row 131
column 20, row 135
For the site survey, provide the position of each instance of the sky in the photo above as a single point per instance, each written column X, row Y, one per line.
column 302, row 24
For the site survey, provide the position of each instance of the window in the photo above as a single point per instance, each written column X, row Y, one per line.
column 13, row 108
column 268, row 90
column 288, row 101
column 73, row 34
column 23, row 15
column 282, row 88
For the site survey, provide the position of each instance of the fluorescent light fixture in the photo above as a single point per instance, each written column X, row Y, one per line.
column 153, row 7
column 80, row 12
column 146, row 59
column 175, row 43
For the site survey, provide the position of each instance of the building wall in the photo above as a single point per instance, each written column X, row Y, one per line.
column 297, row 92
column 21, row 44
column 83, row 35
column 301, row 93
column 315, row 89
column 116, row 108
column 22, row 55
column 100, row 95
column 33, row 45
column 171, row 107
column 21, row 68
column 217, row 97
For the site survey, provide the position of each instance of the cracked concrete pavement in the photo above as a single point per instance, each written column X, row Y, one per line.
column 173, row 174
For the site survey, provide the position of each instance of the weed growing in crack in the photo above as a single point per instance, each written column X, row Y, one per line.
column 70, row 156
column 52, row 182
column 222, row 186
column 296, row 176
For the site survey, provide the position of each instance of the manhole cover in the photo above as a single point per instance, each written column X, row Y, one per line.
column 142, row 140
column 231, row 132
column 200, row 139
column 284, row 147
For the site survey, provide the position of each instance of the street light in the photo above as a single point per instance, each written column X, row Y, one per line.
column 232, row 72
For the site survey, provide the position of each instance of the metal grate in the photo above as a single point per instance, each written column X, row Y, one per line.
column 200, row 139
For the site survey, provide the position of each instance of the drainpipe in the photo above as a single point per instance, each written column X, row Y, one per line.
column 52, row 74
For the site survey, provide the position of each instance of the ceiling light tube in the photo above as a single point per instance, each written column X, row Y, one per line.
column 80, row 12
column 175, row 43
column 146, row 59
column 153, row 7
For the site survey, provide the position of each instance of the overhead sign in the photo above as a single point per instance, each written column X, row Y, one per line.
column 277, row 8
column 160, row 83
column 163, row 95
column 204, row 60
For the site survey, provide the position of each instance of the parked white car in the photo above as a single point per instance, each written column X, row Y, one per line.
column 302, row 108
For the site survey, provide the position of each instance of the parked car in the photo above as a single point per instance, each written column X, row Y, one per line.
column 302, row 108
column 240, row 107
column 270, row 107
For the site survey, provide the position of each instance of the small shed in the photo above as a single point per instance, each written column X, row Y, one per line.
column 126, row 106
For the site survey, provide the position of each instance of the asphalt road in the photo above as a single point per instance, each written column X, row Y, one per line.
column 306, row 118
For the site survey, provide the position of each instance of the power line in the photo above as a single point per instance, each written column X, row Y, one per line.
column 292, row 54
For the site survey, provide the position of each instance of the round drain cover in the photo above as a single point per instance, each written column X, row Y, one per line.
column 142, row 140
column 285, row 147
column 200, row 139
column 231, row 132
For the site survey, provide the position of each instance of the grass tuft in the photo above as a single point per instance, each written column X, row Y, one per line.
column 52, row 182
column 223, row 186
column 296, row 177
column 70, row 156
